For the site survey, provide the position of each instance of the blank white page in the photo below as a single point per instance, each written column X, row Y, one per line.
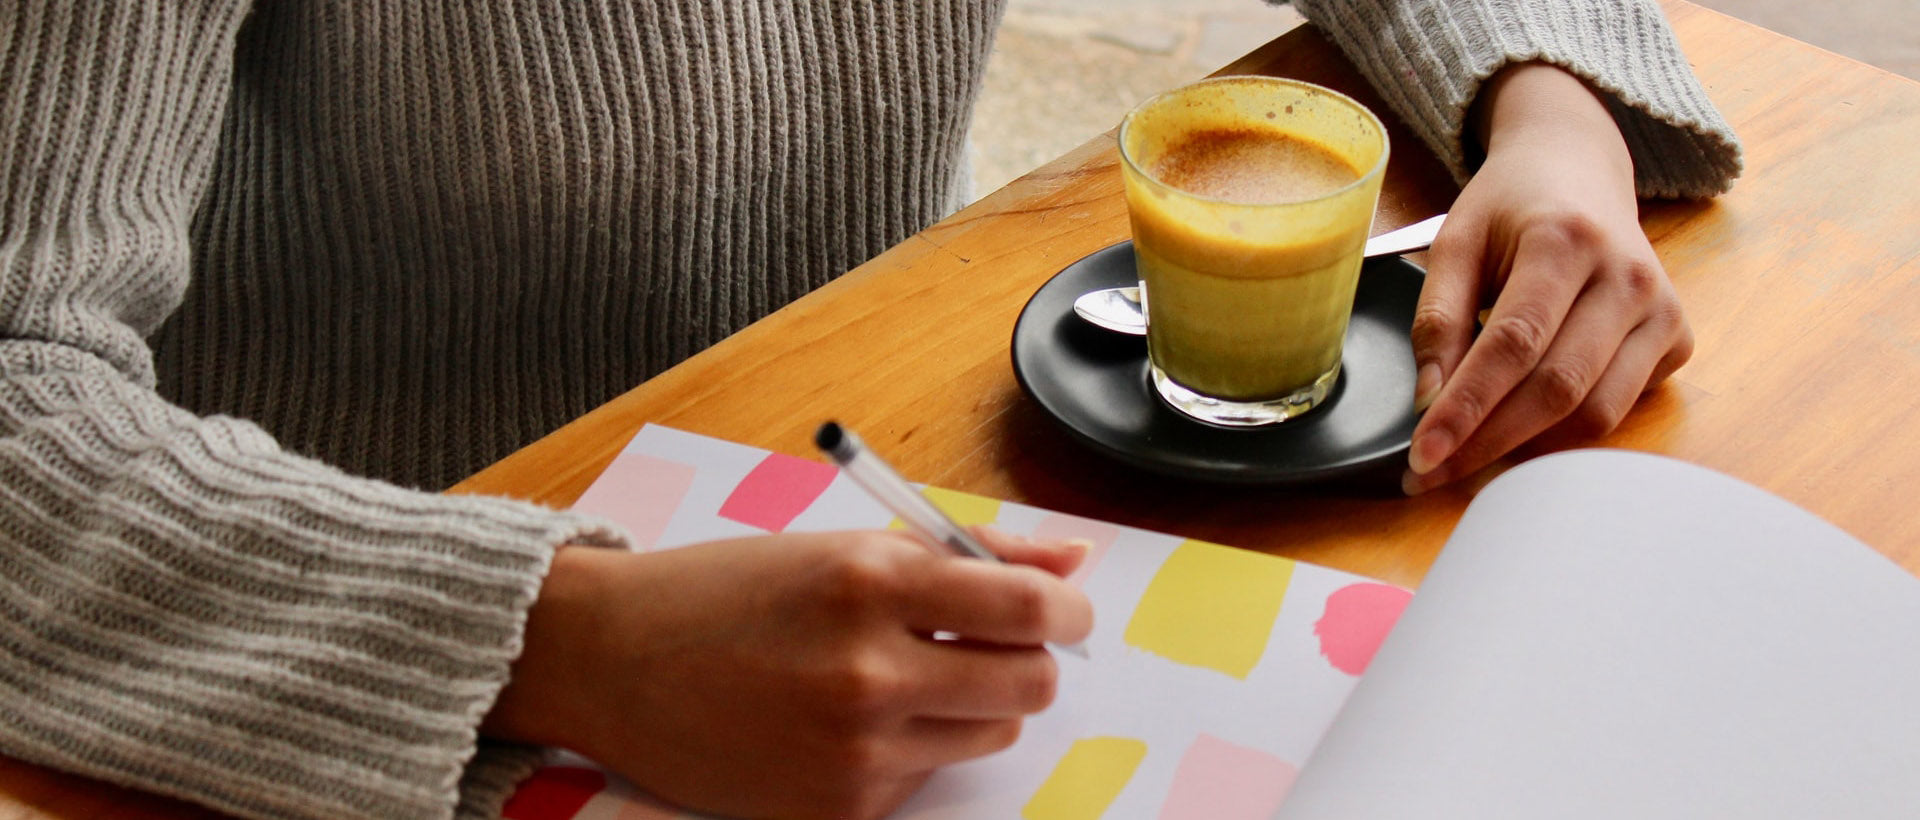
column 1615, row 635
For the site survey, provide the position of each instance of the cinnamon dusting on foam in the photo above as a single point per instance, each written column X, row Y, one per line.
column 1252, row 165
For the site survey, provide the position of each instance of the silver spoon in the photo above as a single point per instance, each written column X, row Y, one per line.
column 1118, row 309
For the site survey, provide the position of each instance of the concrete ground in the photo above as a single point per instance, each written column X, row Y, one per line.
column 1065, row 70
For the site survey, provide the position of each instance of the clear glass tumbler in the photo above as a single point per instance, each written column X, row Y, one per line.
column 1251, row 200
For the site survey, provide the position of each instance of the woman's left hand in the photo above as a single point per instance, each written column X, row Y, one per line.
column 1585, row 319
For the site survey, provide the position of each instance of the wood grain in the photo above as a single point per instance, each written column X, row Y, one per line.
column 1803, row 287
column 911, row 349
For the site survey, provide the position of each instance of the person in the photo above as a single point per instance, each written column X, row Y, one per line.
column 270, row 268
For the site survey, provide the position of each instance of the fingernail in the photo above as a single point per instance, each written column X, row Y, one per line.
column 1427, row 387
column 1080, row 547
column 1429, row 450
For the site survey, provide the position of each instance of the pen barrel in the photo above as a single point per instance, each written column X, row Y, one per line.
column 913, row 509
column 887, row 486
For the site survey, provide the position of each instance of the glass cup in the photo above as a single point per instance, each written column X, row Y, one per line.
column 1251, row 200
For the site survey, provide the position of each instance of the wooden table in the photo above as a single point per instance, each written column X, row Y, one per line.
column 1803, row 286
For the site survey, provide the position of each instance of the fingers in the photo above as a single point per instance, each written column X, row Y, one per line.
column 1058, row 557
column 963, row 680
column 995, row 603
column 1588, row 346
column 1665, row 346
column 1583, row 387
column 1524, row 324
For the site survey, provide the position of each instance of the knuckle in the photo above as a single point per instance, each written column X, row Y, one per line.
column 1566, row 229
column 863, row 692
column 1643, row 279
column 1431, row 327
column 1679, row 353
column 1597, row 417
column 1453, row 242
column 859, row 575
column 1026, row 602
column 1518, row 337
column 1468, row 408
column 1667, row 315
column 1564, row 384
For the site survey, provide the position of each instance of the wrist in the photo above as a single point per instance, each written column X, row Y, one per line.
column 539, row 704
column 1541, row 106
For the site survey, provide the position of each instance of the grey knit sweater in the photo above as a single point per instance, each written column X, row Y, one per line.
column 251, row 256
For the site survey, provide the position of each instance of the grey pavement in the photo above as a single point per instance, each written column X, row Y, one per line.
column 1065, row 70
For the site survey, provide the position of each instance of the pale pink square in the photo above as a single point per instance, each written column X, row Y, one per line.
column 777, row 491
column 638, row 492
column 1218, row 780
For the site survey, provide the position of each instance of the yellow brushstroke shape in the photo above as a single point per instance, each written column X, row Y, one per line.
column 965, row 509
column 1211, row 606
column 1087, row 779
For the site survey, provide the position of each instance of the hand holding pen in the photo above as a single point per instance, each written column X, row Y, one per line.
column 793, row 674
column 886, row 486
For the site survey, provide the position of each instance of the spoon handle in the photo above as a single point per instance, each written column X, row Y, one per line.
column 1410, row 238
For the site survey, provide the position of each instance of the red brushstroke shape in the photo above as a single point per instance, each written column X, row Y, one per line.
column 554, row 793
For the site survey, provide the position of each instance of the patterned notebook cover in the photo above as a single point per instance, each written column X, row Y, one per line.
column 1213, row 673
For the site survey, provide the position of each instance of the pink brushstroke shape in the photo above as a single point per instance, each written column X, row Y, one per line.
column 638, row 492
column 1356, row 621
column 1060, row 526
column 777, row 491
column 554, row 793
column 1218, row 780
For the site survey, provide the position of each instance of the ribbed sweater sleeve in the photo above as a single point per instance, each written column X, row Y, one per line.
column 184, row 607
column 1428, row 59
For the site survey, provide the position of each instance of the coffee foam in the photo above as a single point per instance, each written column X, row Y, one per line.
column 1252, row 165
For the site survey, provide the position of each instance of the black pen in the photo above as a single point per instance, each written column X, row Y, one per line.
column 893, row 492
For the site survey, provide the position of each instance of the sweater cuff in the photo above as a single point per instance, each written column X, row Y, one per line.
column 1429, row 59
column 186, row 608
column 493, row 776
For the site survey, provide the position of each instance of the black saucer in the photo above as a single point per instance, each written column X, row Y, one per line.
column 1095, row 383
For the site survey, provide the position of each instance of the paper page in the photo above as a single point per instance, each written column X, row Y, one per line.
column 1213, row 671
column 1614, row 635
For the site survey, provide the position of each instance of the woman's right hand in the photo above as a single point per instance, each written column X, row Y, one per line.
column 790, row 675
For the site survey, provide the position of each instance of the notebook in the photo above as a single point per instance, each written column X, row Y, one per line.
column 1607, row 634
